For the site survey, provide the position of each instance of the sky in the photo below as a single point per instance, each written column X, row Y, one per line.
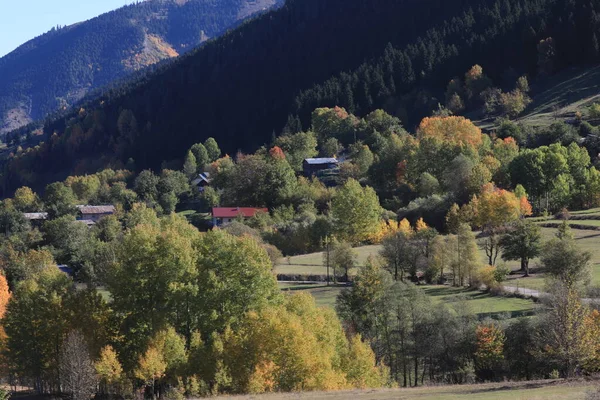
column 22, row 20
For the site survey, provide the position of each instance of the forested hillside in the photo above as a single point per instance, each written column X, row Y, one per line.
column 241, row 88
column 58, row 68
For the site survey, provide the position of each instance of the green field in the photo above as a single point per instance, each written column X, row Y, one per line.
column 324, row 295
column 588, row 240
column 312, row 264
column 533, row 390
column 482, row 304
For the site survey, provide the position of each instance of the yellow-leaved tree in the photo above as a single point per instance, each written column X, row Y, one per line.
column 297, row 346
column 109, row 370
column 453, row 129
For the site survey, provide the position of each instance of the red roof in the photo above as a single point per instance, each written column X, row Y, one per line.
column 232, row 212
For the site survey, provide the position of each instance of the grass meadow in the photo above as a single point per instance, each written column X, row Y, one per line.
column 531, row 390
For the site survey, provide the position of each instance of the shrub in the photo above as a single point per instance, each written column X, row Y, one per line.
column 594, row 111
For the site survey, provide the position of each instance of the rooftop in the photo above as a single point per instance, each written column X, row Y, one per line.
column 318, row 161
column 35, row 216
column 108, row 209
column 233, row 212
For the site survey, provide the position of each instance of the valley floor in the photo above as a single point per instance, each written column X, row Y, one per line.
column 531, row 390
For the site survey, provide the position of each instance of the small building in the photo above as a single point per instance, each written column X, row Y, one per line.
column 226, row 215
column 202, row 181
column 95, row 213
column 311, row 166
column 37, row 216
column 66, row 269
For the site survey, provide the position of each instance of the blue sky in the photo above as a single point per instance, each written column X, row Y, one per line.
column 22, row 20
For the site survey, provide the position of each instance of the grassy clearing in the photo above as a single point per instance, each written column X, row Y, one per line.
column 588, row 240
column 324, row 295
column 312, row 264
column 562, row 95
column 482, row 304
column 533, row 390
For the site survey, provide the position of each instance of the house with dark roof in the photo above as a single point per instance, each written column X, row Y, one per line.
column 92, row 214
column 226, row 215
column 202, row 181
column 311, row 166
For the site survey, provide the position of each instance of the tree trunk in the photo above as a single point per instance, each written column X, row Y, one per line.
column 525, row 266
column 416, row 371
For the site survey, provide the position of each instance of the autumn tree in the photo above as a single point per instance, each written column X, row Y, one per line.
column 109, row 370
column 495, row 209
column 456, row 130
column 151, row 367
column 465, row 257
column 567, row 334
column 490, row 349
column 476, row 82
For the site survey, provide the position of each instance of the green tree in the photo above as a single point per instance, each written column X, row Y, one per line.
column 68, row 239
column 344, row 258
column 565, row 262
column 59, row 200
column 355, row 211
column 213, row 150
column 189, row 166
column 201, row 154
column 155, row 269
column 428, row 185
column 145, row 186
column 399, row 254
column 362, row 157
column 522, row 243
column 36, row 323
column 297, row 147
column 331, row 148
column 25, row 200
column 234, row 276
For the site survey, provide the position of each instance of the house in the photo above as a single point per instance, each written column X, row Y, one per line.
column 66, row 269
column 226, row 215
column 37, row 216
column 202, row 181
column 94, row 213
column 311, row 166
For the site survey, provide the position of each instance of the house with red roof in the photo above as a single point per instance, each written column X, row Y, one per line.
column 226, row 215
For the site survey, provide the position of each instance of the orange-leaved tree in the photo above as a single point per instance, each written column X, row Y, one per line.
column 495, row 209
column 490, row 349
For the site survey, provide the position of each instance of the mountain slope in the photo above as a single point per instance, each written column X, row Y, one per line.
column 241, row 88
column 58, row 68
